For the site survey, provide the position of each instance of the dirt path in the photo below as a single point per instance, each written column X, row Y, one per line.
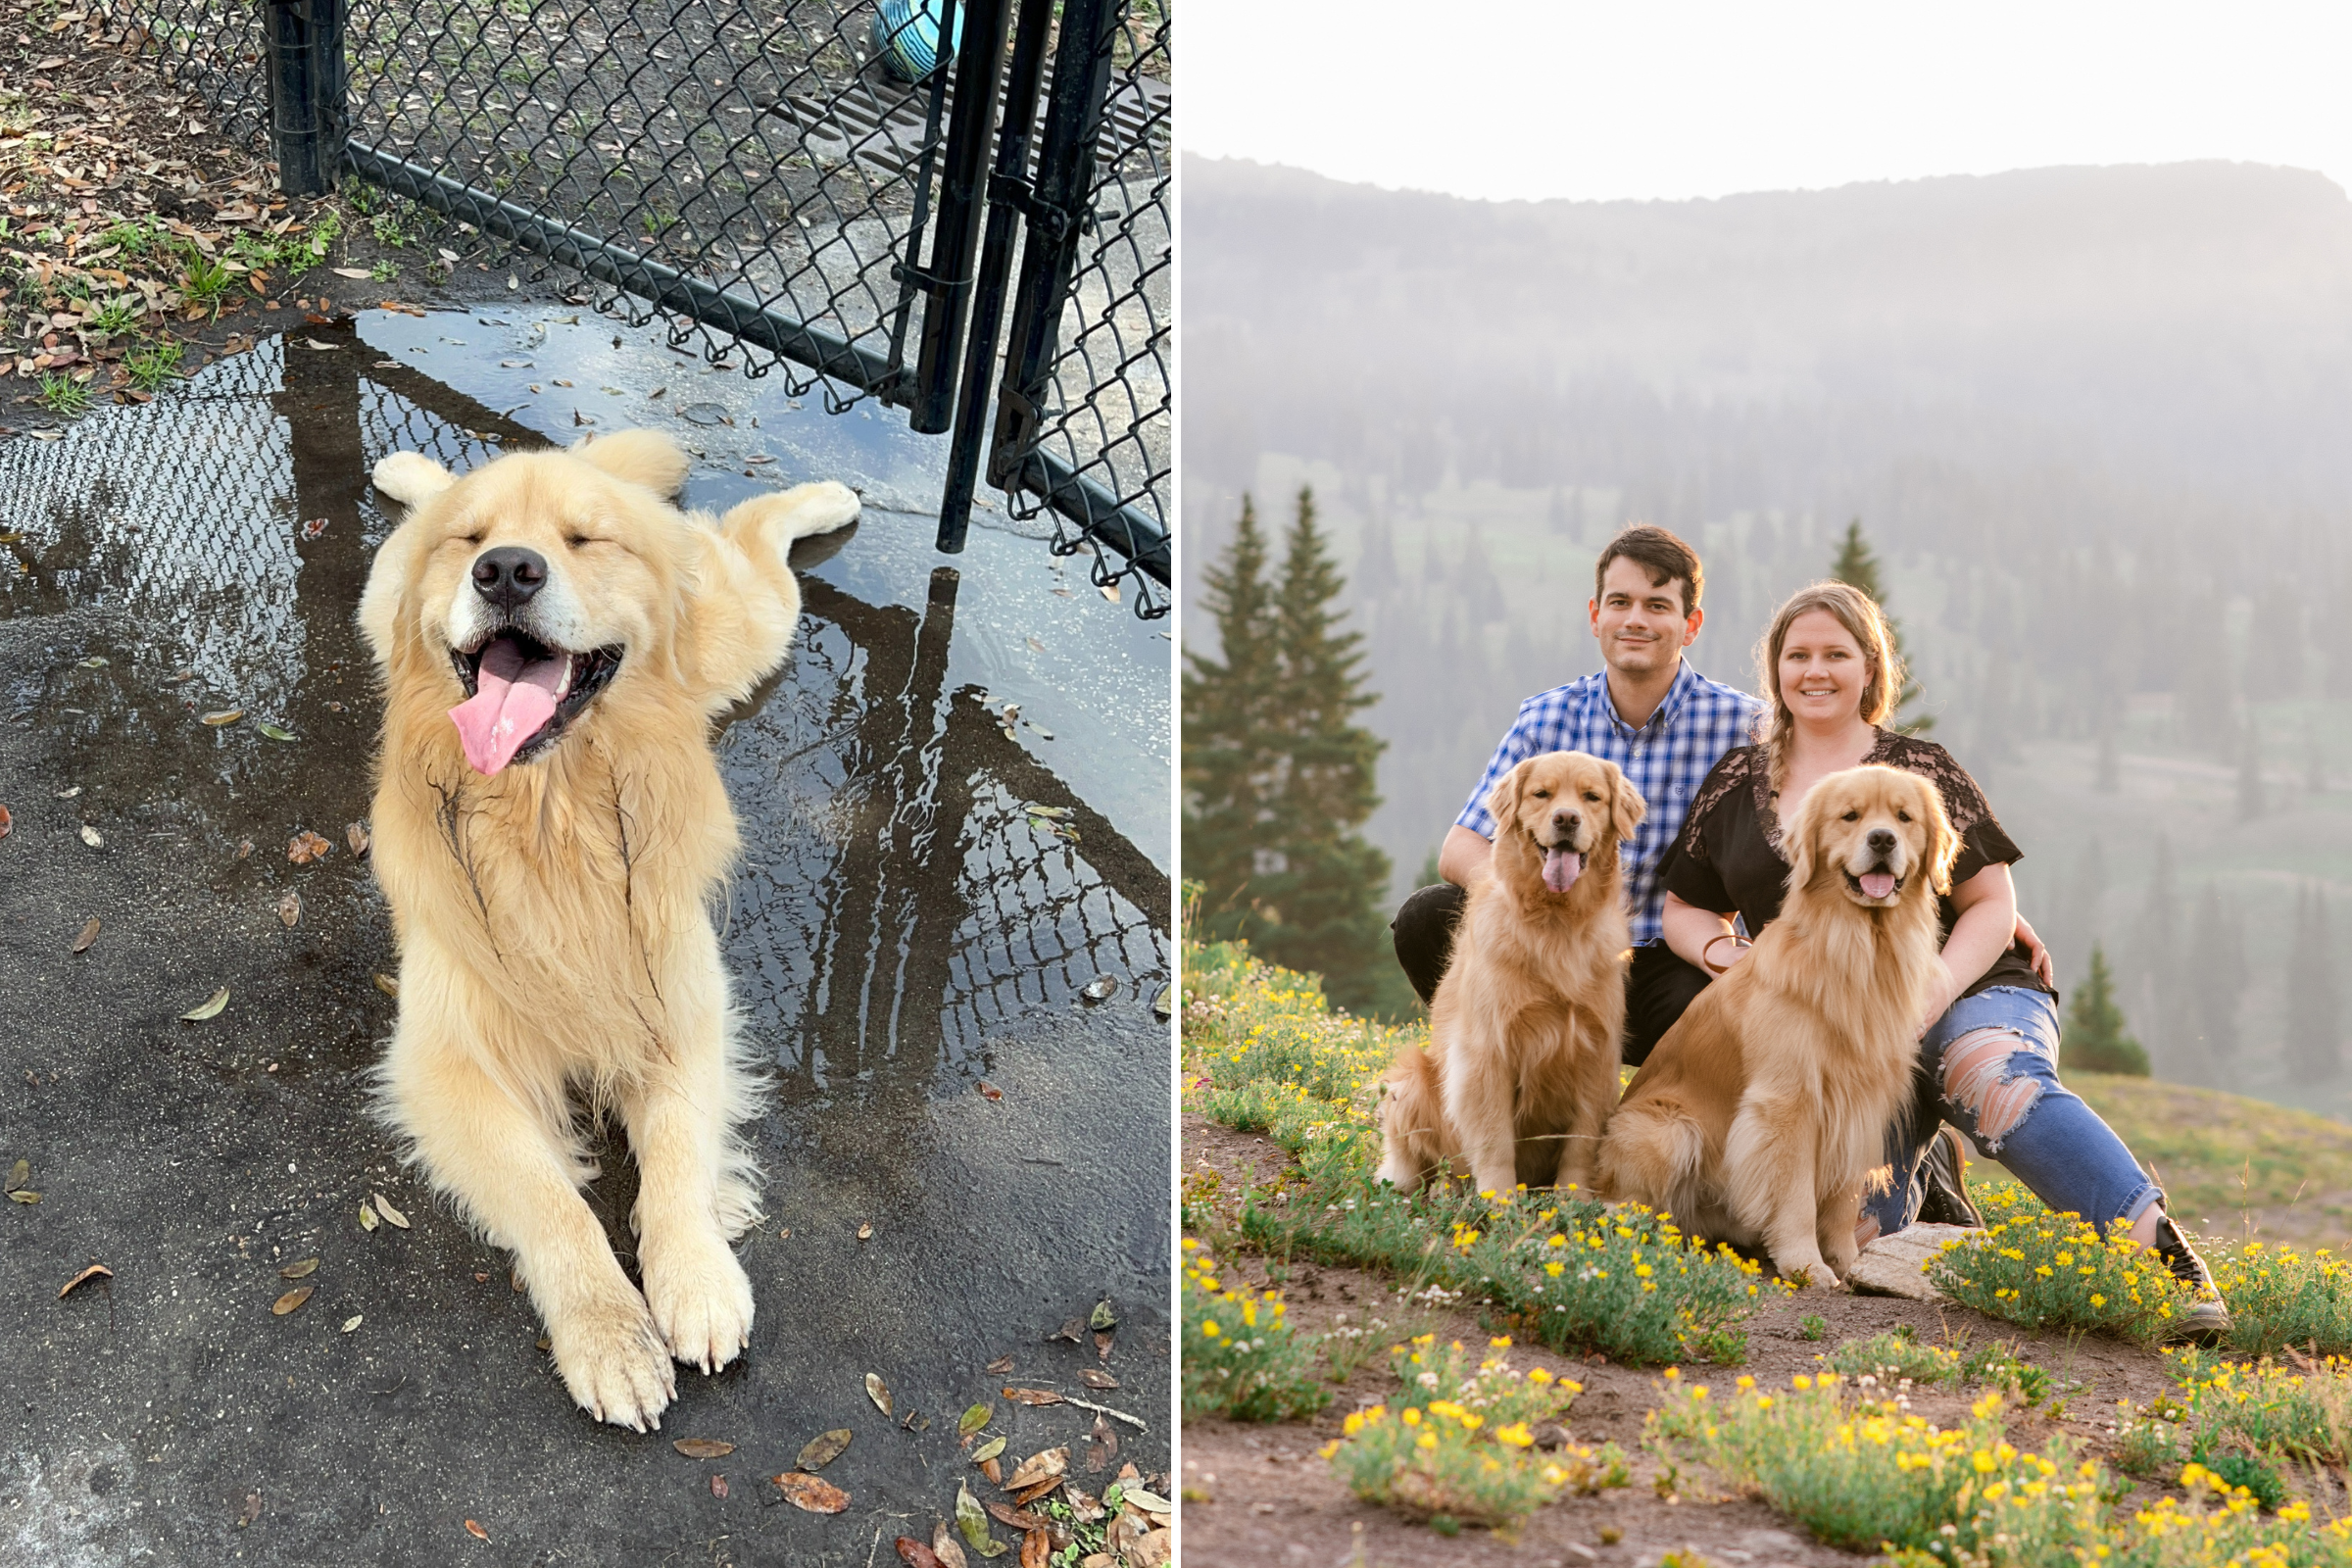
column 1261, row 1494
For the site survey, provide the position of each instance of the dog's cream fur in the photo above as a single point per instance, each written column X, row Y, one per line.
column 1521, row 1066
column 1761, row 1114
column 553, row 918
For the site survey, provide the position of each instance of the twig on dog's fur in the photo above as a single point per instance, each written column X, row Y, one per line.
column 1104, row 1409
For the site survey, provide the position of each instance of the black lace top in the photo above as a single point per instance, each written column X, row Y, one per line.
column 1729, row 857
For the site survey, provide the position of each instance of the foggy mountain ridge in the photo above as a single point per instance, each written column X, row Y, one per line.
column 2097, row 423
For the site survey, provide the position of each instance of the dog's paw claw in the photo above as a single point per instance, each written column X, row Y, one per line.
column 702, row 1303
column 613, row 1360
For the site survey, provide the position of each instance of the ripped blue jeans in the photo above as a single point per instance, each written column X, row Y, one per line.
column 1989, row 1066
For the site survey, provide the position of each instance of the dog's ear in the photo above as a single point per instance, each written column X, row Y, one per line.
column 410, row 476
column 383, row 603
column 1504, row 803
column 1943, row 845
column 1626, row 803
column 1797, row 838
column 639, row 457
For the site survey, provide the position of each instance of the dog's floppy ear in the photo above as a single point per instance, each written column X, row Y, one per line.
column 639, row 457
column 1626, row 803
column 1943, row 845
column 1504, row 804
column 1797, row 838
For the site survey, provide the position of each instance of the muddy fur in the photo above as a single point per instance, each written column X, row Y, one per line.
column 1761, row 1114
column 1521, row 1065
column 556, row 952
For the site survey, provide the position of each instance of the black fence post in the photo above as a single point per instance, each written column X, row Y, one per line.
column 1007, row 192
column 308, row 121
column 955, row 234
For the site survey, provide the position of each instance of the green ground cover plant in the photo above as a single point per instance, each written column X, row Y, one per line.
column 2279, row 1297
column 1458, row 1445
column 1241, row 1358
column 1264, row 1053
column 2253, row 1426
column 2045, row 1270
column 1894, row 1357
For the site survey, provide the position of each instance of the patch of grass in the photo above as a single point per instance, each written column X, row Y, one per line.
column 1892, row 1356
column 2046, row 1270
column 151, row 364
column 62, row 394
column 1458, row 1446
column 1242, row 1360
column 1813, row 1326
column 1264, row 1053
column 116, row 315
column 1866, row 1474
column 384, row 271
column 2225, row 1156
column 2279, row 1297
column 137, row 237
column 206, row 283
column 387, row 229
column 2246, row 1424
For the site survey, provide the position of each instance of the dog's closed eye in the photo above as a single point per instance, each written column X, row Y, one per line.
column 1589, row 796
column 1542, row 795
column 1852, row 817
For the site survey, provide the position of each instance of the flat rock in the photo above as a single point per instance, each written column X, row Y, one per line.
column 1891, row 1265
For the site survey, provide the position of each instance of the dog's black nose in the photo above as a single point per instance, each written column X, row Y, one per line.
column 1882, row 841
column 1563, row 817
column 510, row 576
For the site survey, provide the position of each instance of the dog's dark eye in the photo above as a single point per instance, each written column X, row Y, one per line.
column 575, row 540
column 1542, row 795
column 1902, row 816
column 1852, row 817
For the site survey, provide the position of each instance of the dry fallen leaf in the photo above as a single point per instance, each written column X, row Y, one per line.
column 999, row 1366
column 823, row 1449
column 289, row 910
column 244, row 849
column 356, row 835
column 878, row 1390
column 299, row 1271
column 810, row 1493
column 476, row 1531
column 1160, row 1003
column 719, row 1487
column 914, row 1554
column 349, row 271
column 973, row 1419
column 223, row 716
column 1074, row 1331
column 988, row 1450
column 305, row 846
column 1096, row 1380
column 366, row 1217
column 993, row 1467
column 1033, row 1396
column 351, row 1322
column 943, row 1545
column 1040, row 1466
column 1036, row 1550
column 6, row 821
column 1099, row 988
column 24, row 1195
column 90, row 934
column 392, row 1216
column 292, row 1299
column 209, row 1008
column 90, row 836
column 96, row 1271
column 387, row 985
column 1102, row 1343
column 1102, row 1446
column 19, row 1174
column 988, row 1090
column 1104, row 1317
column 702, row 1447
column 972, row 1520
column 251, row 1511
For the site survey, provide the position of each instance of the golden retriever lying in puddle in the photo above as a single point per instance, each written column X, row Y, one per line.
column 1521, row 1066
column 550, row 823
column 1758, row 1116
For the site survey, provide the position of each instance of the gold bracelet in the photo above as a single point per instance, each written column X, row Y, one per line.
column 1709, row 964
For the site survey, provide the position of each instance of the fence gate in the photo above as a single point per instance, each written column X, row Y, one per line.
column 985, row 243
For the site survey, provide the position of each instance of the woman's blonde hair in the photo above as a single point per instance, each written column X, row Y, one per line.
column 1865, row 622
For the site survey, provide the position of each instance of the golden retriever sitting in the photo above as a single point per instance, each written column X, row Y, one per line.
column 550, row 823
column 1759, row 1115
column 1522, row 1060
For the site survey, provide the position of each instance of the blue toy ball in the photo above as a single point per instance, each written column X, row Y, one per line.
column 907, row 37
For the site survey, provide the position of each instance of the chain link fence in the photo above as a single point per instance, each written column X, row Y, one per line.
column 773, row 182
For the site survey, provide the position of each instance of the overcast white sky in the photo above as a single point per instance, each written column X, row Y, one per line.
column 1673, row 99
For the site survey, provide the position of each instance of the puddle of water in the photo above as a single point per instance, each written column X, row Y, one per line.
column 896, row 904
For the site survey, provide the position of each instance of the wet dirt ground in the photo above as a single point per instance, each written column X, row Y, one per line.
column 900, row 929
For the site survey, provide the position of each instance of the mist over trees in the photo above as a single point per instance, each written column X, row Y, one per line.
column 2091, row 423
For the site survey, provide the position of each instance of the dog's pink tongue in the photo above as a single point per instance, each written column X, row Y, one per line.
column 1561, row 867
column 513, row 699
column 1877, row 884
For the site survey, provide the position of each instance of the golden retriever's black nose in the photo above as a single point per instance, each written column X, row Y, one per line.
column 1882, row 841
column 508, row 576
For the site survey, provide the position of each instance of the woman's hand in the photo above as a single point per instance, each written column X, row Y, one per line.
column 2044, row 968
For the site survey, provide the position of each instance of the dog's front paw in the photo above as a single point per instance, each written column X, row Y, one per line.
column 1803, row 1272
column 612, row 1359
column 701, row 1302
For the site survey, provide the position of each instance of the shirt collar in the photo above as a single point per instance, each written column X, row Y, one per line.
column 1686, row 680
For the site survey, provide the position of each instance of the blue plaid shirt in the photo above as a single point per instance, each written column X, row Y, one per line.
column 1665, row 759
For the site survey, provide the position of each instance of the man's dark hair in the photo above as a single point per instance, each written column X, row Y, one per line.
column 1664, row 555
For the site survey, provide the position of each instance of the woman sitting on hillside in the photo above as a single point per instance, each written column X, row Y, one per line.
column 1988, row 1061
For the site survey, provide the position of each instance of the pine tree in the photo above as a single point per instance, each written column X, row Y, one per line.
column 2218, row 943
column 1230, row 763
column 1857, row 567
column 2093, row 1039
column 1323, row 902
column 2313, row 1026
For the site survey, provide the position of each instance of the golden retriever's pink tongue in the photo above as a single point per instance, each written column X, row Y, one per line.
column 1876, row 884
column 513, row 699
column 1561, row 867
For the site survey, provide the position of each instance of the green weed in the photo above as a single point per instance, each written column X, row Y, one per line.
column 2279, row 1297
column 1891, row 1357
column 2047, row 1270
column 207, row 283
column 387, row 229
column 116, row 316
column 1813, row 1326
column 1242, row 1360
column 62, row 394
column 384, row 271
column 151, row 364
